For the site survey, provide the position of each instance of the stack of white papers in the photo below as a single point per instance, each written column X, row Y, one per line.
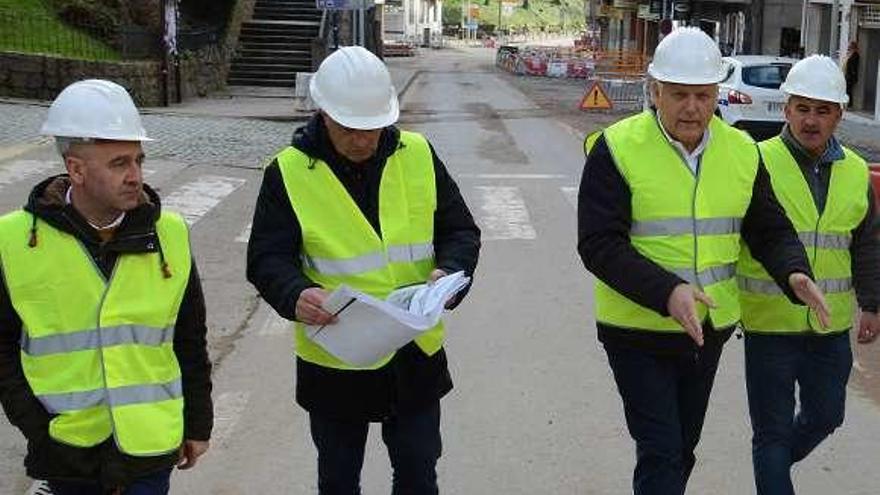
column 370, row 329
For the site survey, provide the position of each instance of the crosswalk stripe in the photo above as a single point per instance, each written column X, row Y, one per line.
column 193, row 200
column 512, row 176
column 38, row 487
column 25, row 169
column 228, row 408
column 571, row 195
column 245, row 234
column 504, row 214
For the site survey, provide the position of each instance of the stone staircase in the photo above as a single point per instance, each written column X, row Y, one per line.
column 276, row 43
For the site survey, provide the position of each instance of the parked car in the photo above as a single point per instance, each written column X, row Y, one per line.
column 875, row 181
column 749, row 98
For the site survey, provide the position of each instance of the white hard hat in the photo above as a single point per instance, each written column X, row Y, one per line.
column 687, row 55
column 354, row 88
column 94, row 108
column 816, row 77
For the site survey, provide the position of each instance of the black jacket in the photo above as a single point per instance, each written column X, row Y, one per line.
column 48, row 459
column 604, row 220
column 411, row 380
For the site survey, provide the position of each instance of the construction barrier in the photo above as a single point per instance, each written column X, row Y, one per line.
column 576, row 63
column 626, row 94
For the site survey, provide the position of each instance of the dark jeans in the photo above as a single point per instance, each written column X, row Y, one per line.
column 413, row 442
column 153, row 484
column 665, row 399
column 820, row 365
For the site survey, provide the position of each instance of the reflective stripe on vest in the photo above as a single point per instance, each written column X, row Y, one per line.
column 356, row 255
column 121, row 396
column 689, row 225
column 100, row 353
column 686, row 226
column 95, row 339
column 762, row 286
column 411, row 253
column 826, row 238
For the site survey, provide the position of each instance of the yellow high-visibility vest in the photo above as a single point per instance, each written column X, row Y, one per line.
column 99, row 353
column 826, row 237
column 687, row 224
column 341, row 247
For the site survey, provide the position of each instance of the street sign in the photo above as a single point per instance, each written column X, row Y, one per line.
column 596, row 99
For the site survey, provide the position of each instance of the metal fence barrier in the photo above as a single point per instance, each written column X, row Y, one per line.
column 28, row 32
column 34, row 33
column 625, row 93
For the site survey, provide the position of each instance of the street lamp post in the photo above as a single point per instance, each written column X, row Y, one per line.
column 835, row 23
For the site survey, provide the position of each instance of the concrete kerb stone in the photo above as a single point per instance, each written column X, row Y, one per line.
column 859, row 119
column 242, row 107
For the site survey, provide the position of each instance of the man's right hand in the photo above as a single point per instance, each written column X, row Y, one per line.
column 309, row 310
column 682, row 306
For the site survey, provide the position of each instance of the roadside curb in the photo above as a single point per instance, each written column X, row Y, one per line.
column 412, row 77
column 16, row 150
column 858, row 119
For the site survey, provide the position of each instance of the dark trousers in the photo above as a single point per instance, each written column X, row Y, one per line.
column 153, row 484
column 665, row 399
column 820, row 365
column 413, row 442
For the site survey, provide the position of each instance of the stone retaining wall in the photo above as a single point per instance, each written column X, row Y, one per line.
column 42, row 77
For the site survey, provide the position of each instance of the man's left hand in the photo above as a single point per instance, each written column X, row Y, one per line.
column 807, row 291
column 436, row 275
column 190, row 453
column 869, row 327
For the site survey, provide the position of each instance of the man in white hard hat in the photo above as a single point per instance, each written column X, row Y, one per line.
column 103, row 360
column 357, row 201
column 665, row 197
column 826, row 192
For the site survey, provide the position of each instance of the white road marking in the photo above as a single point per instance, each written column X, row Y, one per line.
column 571, row 194
column 10, row 152
column 228, row 409
column 505, row 215
column 25, row 169
column 38, row 487
column 146, row 172
column 858, row 366
column 513, row 176
column 195, row 199
column 245, row 234
column 571, row 130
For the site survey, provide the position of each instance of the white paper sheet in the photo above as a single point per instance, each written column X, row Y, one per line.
column 370, row 329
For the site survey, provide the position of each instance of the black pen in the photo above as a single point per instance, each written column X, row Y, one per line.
column 340, row 310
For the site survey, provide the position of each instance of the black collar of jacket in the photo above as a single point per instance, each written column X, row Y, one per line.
column 136, row 233
column 313, row 140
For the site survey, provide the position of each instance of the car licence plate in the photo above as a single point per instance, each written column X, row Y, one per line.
column 775, row 106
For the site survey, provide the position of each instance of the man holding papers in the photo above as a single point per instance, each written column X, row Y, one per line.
column 357, row 202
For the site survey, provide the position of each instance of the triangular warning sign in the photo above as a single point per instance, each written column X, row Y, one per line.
column 596, row 98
